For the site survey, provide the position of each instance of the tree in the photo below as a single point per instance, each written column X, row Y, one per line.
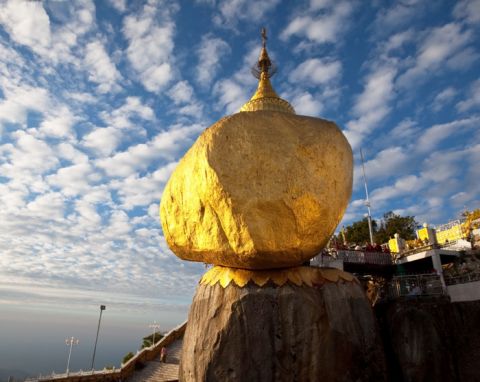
column 127, row 357
column 392, row 223
column 148, row 340
column 358, row 232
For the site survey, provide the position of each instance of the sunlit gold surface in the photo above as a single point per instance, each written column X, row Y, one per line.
column 258, row 190
column 265, row 98
column 298, row 276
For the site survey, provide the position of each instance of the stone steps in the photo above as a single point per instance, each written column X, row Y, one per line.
column 156, row 371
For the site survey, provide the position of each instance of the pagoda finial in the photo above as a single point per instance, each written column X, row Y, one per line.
column 265, row 97
column 264, row 64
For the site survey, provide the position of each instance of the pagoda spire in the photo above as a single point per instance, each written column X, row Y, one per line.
column 265, row 98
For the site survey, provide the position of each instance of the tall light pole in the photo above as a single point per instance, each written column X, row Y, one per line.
column 367, row 201
column 70, row 342
column 154, row 326
column 102, row 308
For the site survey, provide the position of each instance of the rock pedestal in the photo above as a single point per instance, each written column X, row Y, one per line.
column 288, row 333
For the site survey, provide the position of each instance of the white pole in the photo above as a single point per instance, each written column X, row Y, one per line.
column 70, row 342
column 367, row 201
column 154, row 326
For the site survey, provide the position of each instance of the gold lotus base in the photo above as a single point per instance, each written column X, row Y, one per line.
column 310, row 276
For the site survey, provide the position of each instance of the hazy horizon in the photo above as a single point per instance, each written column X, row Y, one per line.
column 33, row 333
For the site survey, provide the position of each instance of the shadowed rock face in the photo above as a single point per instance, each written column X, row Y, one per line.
column 286, row 333
column 431, row 340
column 258, row 190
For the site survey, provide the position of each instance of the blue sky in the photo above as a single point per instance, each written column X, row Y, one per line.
column 99, row 101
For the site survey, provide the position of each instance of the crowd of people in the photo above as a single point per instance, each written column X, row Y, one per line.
column 366, row 247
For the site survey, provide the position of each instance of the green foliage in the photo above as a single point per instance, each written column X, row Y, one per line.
column 148, row 340
column 127, row 357
column 392, row 224
column 358, row 232
column 146, row 343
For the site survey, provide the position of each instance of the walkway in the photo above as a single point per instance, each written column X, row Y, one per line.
column 156, row 371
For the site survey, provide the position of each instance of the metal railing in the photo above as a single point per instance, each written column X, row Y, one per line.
column 463, row 279
column 365, row 257
column 414, row 286
column 355, row 257
column 80, row 373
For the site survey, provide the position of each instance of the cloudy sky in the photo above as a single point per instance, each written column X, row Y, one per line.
column 99, row 100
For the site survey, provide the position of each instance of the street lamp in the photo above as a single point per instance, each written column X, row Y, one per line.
column 70, row 342
column 154, row 326
column 102, row 308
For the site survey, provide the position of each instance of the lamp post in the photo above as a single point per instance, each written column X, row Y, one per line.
column 70, row 342
column 154, row 326
column 102, row 308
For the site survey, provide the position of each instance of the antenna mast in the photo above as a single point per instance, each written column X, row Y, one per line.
column 367, row 200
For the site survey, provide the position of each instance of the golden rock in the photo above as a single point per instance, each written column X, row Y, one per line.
column 258, row 190
column 261, row 189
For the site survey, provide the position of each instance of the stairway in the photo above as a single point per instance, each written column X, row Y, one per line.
column 156, row 371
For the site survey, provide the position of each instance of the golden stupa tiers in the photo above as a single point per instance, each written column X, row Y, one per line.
column 265, row 97
column 260, row 189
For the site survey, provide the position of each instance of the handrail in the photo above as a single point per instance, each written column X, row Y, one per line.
column 357, row 257
column 127, row 368
column 426, row 284
column 469, row 277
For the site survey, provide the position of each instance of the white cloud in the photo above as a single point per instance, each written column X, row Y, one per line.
column 150, row 49
column 143, row 191
column 119, row 5
column 305, row 104
column 405, row 185
column 29, row 155
column 399, row 14
column 50, row 206
column 101, row 69
column 231, row 11
column 439, row 45
column 181, row 92
column 28, row 23
column 385, row 164
column 104, row 140
column 432, row 136
column 398, row 40
column 444, row 97
column 473, row 99
column 67, row 151
column 405, row 131
column 231, row 95
column 182, row 95
column 139, row 157
column 326, row 27
column 314, row 71
column 468, row 10
column 59, row 124
column 209, row 54
column 19, row 100
column 377, row 92
column 372, row 106
column 75, row 179
column 463, row 59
